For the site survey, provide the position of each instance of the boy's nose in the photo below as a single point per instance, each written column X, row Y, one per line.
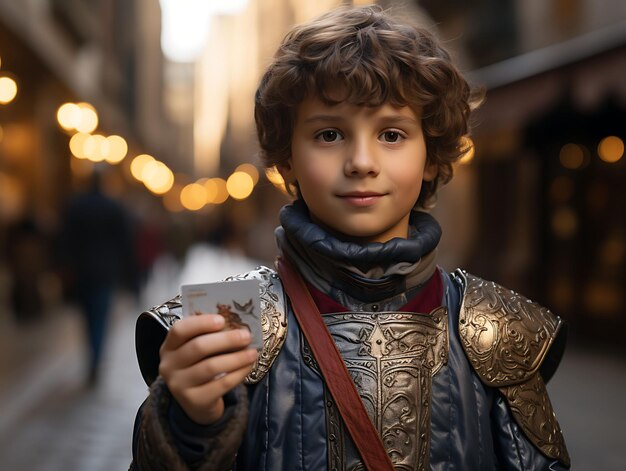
column 361, row 160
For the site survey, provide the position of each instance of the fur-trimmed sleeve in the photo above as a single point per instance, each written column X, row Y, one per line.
column 154, row 446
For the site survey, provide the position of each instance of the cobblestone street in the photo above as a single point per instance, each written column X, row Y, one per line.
column 56, row 423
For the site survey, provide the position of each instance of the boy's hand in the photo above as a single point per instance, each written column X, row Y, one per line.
column 200, row 363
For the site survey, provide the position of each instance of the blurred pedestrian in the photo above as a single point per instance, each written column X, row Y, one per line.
column 98, row 251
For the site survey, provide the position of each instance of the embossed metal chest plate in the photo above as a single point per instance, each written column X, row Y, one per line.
column 391, row 357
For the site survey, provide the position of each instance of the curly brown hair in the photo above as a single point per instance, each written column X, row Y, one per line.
column 378, row 60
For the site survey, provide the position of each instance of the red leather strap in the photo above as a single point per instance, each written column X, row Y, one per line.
column 334, row 370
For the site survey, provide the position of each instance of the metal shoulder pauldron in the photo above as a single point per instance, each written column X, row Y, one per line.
column 152, row 327
column 273, row 320
column 507, row 338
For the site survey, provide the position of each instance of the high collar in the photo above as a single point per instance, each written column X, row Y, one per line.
column 372, row 270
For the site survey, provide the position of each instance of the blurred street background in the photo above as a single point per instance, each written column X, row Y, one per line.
column 128, row 165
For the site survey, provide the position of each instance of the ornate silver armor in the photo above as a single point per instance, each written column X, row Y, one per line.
column 391, row 357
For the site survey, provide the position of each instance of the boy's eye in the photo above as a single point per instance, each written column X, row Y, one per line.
column 391, row 136
column 329, row 135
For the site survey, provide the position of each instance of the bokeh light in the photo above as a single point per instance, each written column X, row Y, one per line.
column 68, row 116
column 613, row 250
column 239, row 185
column 95, row 148
column 564, row 222
column 118, row 148
column 157, row 177
column 572, row 156
column 250, row 170
column 81, row 117
column 77, row 145
column 193, row 196
column 211, row 188
column 137, row 165
column 88, row 118
column 8, row 90
column 611, row 149
column 222, row 191
column 215, row 189
column 12, row 197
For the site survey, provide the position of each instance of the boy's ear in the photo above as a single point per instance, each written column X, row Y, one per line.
column 431, row 170
column 286, row 171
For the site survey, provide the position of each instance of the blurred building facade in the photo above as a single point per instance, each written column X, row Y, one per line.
column 542, row 204
column 106, row 53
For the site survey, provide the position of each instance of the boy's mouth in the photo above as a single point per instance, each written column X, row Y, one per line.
column 361, row 198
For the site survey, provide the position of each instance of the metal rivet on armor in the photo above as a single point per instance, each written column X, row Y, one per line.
column 374, row 307
column 423, row 436
column 378, row 342
column 462, row 320
column 329, row 404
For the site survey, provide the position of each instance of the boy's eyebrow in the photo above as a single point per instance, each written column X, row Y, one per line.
column 323, row 117
column 399, row 119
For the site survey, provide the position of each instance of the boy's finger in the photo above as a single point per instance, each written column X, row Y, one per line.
column 218, row 387
column 191, row 327
column 207, row 345
column 214, row 368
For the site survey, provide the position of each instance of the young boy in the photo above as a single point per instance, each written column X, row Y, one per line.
column 363, row 116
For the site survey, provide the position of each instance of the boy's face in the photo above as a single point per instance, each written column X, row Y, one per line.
column 359, row 169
